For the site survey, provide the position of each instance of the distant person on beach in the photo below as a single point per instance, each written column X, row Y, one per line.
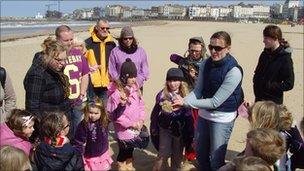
column 7, row 95
column 46, row 86
column 217, row 94
column 77, row 70
column 189, row 64
column 99, row 47
column 128, row 48
column 274, row 73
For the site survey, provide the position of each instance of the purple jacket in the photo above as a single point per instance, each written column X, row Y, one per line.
column 139, row 57
column 91, row 139
column 7, row 137
column 133, row 112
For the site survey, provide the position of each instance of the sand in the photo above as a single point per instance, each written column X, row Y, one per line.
column 160, row 41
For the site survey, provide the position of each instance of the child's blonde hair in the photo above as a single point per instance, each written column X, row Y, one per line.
column 79, row 43
column 249, row 163
column 19, row 120
column 183, row 90
column 285, row 118
column 264, row 114
column 267, row 144
column 13, row 158
column 96, row 102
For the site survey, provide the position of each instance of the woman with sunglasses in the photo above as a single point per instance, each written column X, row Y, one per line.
column 217, row 94
column 128, row 48
column 274, row 72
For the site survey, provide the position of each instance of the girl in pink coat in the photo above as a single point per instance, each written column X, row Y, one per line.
column 126, row 108
column 17, row 130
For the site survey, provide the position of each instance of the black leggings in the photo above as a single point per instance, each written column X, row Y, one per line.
column 124, row 154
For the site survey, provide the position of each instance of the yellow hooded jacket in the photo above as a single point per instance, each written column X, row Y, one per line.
column 99, row 78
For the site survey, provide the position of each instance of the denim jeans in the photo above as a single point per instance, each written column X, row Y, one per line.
column 76, row 118
column 100, row 92
column 212, row 143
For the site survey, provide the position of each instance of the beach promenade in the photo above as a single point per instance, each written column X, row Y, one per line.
column 160, row 41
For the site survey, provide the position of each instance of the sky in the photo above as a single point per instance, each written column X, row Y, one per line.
column 30, row 8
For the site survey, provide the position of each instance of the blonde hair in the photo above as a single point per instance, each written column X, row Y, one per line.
column 250, row 163
column 267, row 144
column 18, row 121
column 96, row 103
column 79, row 43
column 264, row 114
column 51, row 49
column 183, row 90
column 285, row 118
column 13, row 159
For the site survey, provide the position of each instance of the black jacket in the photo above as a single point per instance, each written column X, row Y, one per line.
column 44, row 89
column 273, row 75
column 47, row 158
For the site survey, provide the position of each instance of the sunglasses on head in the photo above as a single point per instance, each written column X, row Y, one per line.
column 127, row 38
column 216, row 48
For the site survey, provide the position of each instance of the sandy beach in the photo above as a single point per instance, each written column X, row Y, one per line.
column 160, row 41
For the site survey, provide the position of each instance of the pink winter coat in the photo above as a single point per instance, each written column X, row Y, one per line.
column 7, row 137
column 134, row 112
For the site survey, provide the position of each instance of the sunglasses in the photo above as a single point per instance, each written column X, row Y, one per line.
column 103, row 28
column 128, row 38
column 216, row 48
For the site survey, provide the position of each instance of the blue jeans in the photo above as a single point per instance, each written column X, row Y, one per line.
column 212, row 141
column 100, row 92
column 76, row 118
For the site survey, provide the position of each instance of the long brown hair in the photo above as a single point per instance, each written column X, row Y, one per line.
column 51, row 49
column 275, row 33
column 96, row 103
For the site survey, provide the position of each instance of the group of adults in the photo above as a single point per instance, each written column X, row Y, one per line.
column 60, row 77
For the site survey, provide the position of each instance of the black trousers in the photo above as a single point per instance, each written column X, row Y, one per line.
column 124, row 154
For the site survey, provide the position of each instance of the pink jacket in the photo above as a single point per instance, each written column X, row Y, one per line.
column 134, row 112
column 7, row 137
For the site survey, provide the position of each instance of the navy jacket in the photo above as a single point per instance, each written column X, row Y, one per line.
column 214, row 75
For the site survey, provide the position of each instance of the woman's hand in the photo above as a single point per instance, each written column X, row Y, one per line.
column 178, row 102
column 93, row 68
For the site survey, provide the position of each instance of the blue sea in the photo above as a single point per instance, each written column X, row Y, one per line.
column 13, row 28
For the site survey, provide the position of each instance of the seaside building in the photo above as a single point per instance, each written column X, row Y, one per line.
column 38, row 16
column 290, row 9
column 242, row 11
column 199, row 11
column 113, row 11
column 84, row 13
column 173, row 11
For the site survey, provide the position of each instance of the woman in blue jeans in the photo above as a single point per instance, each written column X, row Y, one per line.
column 217, row 96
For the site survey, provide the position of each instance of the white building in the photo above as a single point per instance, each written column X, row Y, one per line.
column 251, row 11
column 225, row 11
column 39, row 16
column 173, row 11
column 199, row 11
column 113, row 10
